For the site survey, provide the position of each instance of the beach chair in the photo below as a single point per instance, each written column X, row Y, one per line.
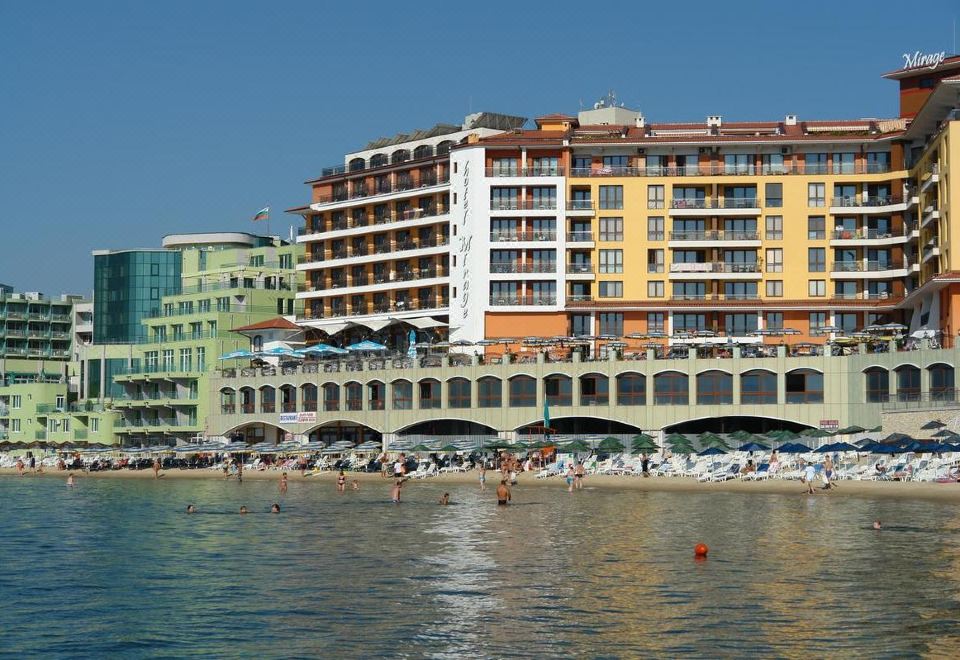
column 732, row 471
column 762, row 473
column 550, row 470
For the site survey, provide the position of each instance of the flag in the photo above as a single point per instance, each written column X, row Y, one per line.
column 262, row 214
column 546, row 413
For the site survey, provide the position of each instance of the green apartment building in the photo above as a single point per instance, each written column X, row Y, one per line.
column 152, row 379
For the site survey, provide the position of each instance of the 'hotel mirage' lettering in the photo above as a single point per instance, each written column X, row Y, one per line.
column 918, row 60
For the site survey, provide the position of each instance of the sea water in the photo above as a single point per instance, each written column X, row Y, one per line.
column 117, row 568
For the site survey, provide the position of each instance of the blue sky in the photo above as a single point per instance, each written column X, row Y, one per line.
column 125, row 121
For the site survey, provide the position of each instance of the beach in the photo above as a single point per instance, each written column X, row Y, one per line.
column 943, row 492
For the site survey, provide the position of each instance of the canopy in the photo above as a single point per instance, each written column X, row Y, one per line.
column 847, row 430
column 449, row 448
column 322, row 349
column 815, row 433
column 366, row 345
column 281, row 351
column 420, row 448
column 712, row 440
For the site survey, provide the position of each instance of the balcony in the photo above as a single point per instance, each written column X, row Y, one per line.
column 379, row 250
column 930, row 214
column 715, row 270
column 867, row 204
column 712, row 238
column 385, row 188
column 580, row 268
column 722, row 169
column 860, row 269
column 930, row 178
column 580, row 207
column 517, row 300
column 501, row 172
column 580, row 237
column 523, row 236
column 534, row 267
column 866, row 236
column 523, row 204
column 931, row 250
column 715, row 206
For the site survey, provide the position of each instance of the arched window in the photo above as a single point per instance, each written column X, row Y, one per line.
column 631, row 389
column 228, row 401
column 399, row 156
column 458, row 393
column 268, row 399
column 878, row 384
column 288, row 398
column 354, row 396
column 248, row 400
column 378, row 160
column 908, row 383
column 942, row 387
column 357, row 164
column 758, row 387
column 558, row 389
column 257, row 343
column 714, row 388
column 489, row 392
column 376, row 395
column 308, row 397
column 594, row 390
column 402, row 394
column 429, row 393
column 671, row 388
column 523, row 392
column 423, row 151
column 331, row 396
column 804, row 386
column 444, row 147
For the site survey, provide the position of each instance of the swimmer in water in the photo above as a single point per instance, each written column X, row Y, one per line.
column 445, row 499
column 275, row 508
column 877, row 524
column 191, row 508
column 356, row 485
column 70, row 481
column 243, row 511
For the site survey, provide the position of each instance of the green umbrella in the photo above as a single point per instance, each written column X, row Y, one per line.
column 815, row 433
column 876, row 429
column 610, row 444
column 518, row 446
column 783, row 436
column 449, row 448
column 847, row 430
column 497, row 444
column 539, row 444
column 641, row 445
column 741, row 435
column 419, row 449
column 644, row 437
column 712, row 440
column 576, row 446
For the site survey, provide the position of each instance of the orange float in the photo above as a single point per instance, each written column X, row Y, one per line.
column 700, row 550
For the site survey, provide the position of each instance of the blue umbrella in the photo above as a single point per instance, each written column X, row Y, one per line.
column 793, row 448
column 321, row 349
column 844, row 446
column 712, row 451
column 238, row 355
column 872, row 447
column 366, row 345
column 412, row 349
column 753, row 446
column 281, row 351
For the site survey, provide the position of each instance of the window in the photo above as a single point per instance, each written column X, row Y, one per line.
column 846, row 322
column 775, row 288
column 689, row 322
column 816, row 227
column 656, row 322
column 655, row 228
column 655, row 197
column 942, row 386
column 558, row 390
column 671, row 388
column 212, row 328
column 16, row 401
column 774, row 228
column 655, row 289
column 758, row 387
column 580, row 325
column 843, row 163
column 804, row 386
column 203, row 305
column 878, row 384
column 775, row 260
column 655, row 261
column 817, row 320
column 523, row 392
column 816, row 194
column 331, row 396
column 815, row 163
column 772, row 164
column 94, row 424
column 594, row 390
column 908, row 383
column 611, row 261
column 774, row 320
column 489, row 392
column 611, row 197
column 611, row 323
column 186, row 359
column 631, row 390
column 611, row 229
column 611, row 289
column 167, row 363
column 816, row 260
column 429, row 393
column 177, row 330
column 154, row 270
column 817, row 288
column 774, row 194
column 201, row 358
column 15, row 426
column 714, row 388
column 223, row 304
column 150, row 361
column 739, row 325
column 402, row 395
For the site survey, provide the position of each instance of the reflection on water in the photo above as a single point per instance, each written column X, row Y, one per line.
column 116, row 566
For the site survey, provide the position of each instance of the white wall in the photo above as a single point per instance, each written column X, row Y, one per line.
column 470, row 219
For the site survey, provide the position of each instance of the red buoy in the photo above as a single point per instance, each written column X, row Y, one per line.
column 700, row 550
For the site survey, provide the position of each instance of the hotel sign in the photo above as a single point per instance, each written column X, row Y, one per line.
column 298, row 418
column 920, row 60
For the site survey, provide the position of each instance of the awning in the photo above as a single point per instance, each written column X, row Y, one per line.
column 422, row 323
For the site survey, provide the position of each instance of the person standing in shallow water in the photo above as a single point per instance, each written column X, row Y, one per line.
column 341, row 482
column 156, row 468
column 483, row 476
column 503, row 493
column 283, row 483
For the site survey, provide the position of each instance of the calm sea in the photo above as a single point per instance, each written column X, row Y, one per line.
column 116, row 568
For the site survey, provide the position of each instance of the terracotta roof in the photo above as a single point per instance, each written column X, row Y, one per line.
column 278, row 323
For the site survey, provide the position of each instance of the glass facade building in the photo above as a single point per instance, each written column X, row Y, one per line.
column 128, row 287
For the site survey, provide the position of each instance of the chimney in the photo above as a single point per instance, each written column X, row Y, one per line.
column 640, row 121
column 791, row 120
column 714, row 121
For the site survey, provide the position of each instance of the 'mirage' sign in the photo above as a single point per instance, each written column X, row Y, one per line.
column 919, row 60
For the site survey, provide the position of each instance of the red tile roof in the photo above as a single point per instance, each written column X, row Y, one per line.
column 278, row 323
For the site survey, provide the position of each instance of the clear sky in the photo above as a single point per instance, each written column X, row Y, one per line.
column 124, row 121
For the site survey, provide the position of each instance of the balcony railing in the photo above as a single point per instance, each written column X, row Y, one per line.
column 857, row 201
column 524, row 171
column 579, row 237
column 505, row 236
column 720, row 169
column 580, row 268
column 535, row 267
column 384, row 188
column 502, row 301
column 715, row 267
column 714, row 236
column 523, row 204
column 716, row 203
column 863, row 233
column 580, row 205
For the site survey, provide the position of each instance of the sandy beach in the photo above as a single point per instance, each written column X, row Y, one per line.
column 949, row 492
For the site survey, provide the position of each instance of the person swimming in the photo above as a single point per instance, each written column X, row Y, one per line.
column 243, row 510
column 191, row 508
column 445, row 499
column 70, row 481
column 877, row 524
column 275, row 508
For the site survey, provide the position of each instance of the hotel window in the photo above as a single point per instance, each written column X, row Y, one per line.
column 655, row 229
column 846, row 322
column 94, row 424
column 611, row 323
column 150, row 361
column 740, row 325
column 737, row 163
column 185, row 307
column 655, row 261
column 815, row 164
column 758, row 386
column 611, row 289
column 611, row 197
column 817, row 288
column 581, row 325
column 656, row 164
column 656, row 322
column 523, row 392
column 167, row 363
column 878, row 384
column 817, row 320
column 223, row 304
column 611, row 261
column 631, row 389
column 458, row 393
column 775, row 288
column 689, row 322
column 655, row 197
column 212, row 328
column 655, row 289
column 671, row 388
column 740, row 290
column 714, row 388
column 154, row 293
column 581, row 164
column 774, row 320
column 489, row 392
column 878, row 161
column 816, row 260
column 203, row 306
column 201, row 358
column 186, row 359
column 505, row 167
column 689, row 290
column 687, row 164
column 611, row 229
column 774, row 260
column 844, row 163
column 168, row 309
column 177, row 330
column 159, row 333
column 816, row 194
column 16, row 401
column 544, row 197
column 772, row 164
column 816, row 227
column 774, row 194
column 845, row 290
column 402, row 394
column 15, row 426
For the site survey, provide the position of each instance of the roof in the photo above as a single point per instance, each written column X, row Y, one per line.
column 949, row 62
column 278, row 323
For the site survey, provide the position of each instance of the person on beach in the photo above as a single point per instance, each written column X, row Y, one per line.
column 483, row 476
column 283, row 483
column 828, row 473
column 226, row 469
column 275, row 508
column 191, row 508
column 156, row 468
column 571, row 476
column 578, row 474
column 19, row 467
column 240, row 471
column 70, row 482
column 445, row 499
column 303, row 464
column 33, row 464
column 809, row 474
column 774, row 462
column 503, row 493
column 395, row 491
column 243, row 510
column 645, row 464
column 356, row 484
column 341, row 482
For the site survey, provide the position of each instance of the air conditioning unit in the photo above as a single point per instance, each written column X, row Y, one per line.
column 786, row 150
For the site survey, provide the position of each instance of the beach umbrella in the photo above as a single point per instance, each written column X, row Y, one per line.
column 712, row 451
column 871, row 447
column 849, row 430
column 741, row 435
column 238, row 355
column 278, row 351
column 460, row 343
column 783, row 435
column 793, row 448
column 497, row 444
column 449, row 448
column 366, row 345
column 945, row 433
column 610, row 444
column 933, row 424
column 322, row 349
column 420, row 449
column 679, row 442
column 815, row 433
column 576, row 446
column 518, row 446
column 897, row 438
column 712, row 440
column 753, row 446
column 643, row 443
